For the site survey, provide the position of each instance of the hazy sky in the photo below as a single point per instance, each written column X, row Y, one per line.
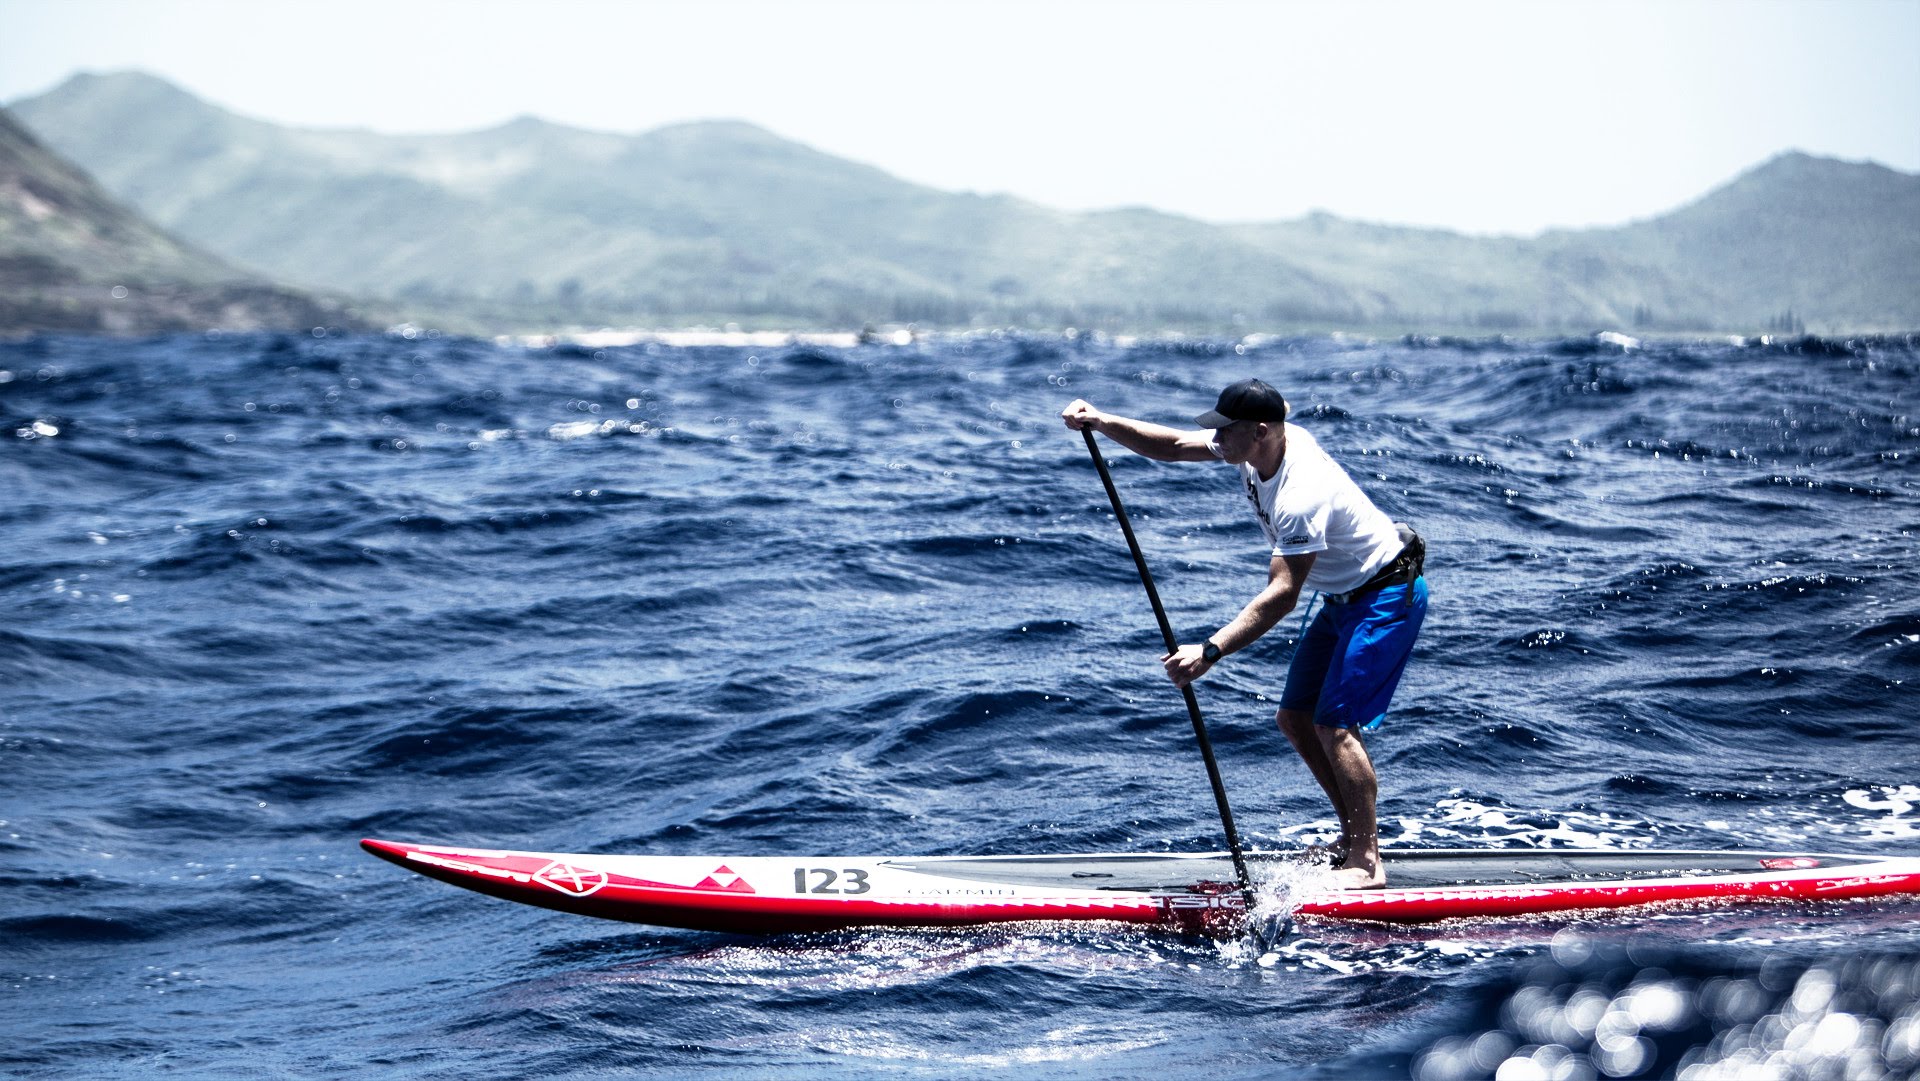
column 1484, row 116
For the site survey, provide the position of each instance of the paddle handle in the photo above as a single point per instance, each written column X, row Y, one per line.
column 1193, row 704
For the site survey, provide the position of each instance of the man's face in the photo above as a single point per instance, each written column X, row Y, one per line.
column 1237, row 439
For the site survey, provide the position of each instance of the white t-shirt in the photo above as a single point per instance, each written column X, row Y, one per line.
column 1311, row 505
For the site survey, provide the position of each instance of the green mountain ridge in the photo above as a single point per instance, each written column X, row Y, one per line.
column 533, row 224
column 72, row 258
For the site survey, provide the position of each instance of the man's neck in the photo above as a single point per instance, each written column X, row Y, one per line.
column 1269, row 453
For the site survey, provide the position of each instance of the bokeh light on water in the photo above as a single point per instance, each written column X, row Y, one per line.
column 1593, row 1010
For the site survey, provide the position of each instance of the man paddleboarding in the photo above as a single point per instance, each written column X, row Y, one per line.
column 1325, row 535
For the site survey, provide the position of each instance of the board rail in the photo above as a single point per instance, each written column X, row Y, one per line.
column 1187, row 891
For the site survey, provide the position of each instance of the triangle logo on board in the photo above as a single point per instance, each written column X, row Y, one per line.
column 725, row 880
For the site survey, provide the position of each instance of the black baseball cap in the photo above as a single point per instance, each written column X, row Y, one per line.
column 1249, row 399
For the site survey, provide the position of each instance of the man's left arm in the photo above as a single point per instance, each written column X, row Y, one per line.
column 1285, row 575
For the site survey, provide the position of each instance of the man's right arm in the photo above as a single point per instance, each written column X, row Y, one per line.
column 1156, row 441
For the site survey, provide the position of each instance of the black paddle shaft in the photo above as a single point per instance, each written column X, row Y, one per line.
column 1193, row 704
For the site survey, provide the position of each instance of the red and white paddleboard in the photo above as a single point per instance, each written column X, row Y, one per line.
column 1192, row 891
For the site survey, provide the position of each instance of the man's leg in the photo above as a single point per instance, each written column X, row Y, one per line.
column 1368, row 660
column 1355, row 793
column 1301, row 698
column 1298, row 727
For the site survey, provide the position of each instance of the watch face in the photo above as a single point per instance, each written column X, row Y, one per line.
column 1210, row 652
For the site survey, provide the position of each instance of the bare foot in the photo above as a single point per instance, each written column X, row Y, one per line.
column 1358, row 878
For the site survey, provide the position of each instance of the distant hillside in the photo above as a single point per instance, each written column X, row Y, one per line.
column 1837, row 242
column 721, row 219
column 74, row 259
column 532, row 223
column 1834, row 245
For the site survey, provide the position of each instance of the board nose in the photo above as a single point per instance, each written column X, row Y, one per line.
column 386, row 850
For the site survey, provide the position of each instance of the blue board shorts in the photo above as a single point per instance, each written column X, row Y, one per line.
column 1347, row 666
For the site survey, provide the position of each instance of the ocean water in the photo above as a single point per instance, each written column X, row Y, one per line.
column 264, row 595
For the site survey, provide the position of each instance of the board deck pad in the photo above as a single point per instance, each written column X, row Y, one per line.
column 1436, row 869
column 1190, row 891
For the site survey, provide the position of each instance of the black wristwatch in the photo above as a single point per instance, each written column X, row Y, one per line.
column 1210, row 652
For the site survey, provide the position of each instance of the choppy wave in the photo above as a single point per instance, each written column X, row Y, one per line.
column 270, row 593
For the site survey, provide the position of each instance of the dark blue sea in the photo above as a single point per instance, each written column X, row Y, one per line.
column 264, row 595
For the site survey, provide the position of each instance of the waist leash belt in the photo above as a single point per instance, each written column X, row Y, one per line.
column 1410, row 564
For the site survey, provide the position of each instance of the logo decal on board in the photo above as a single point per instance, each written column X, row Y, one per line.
column 724, row 880
column 571, row 880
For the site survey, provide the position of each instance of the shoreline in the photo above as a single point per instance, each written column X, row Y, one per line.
column 694, row 337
